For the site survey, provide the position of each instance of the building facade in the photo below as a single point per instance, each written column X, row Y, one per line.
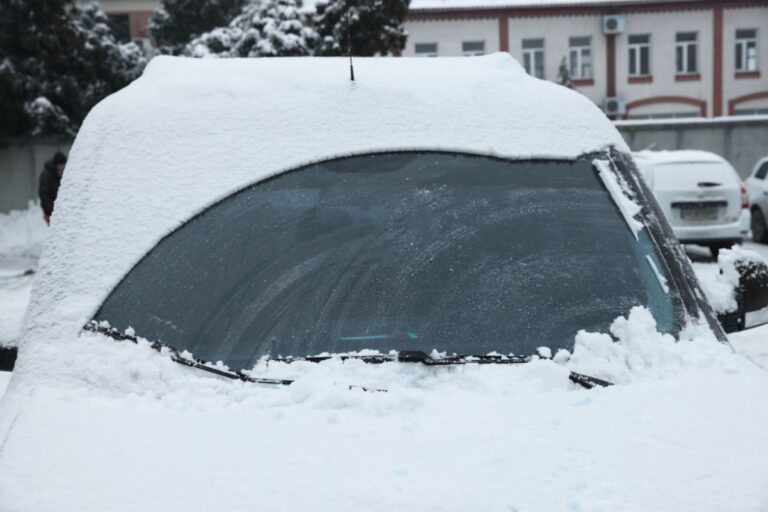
column 130, row 19
column 637, row 59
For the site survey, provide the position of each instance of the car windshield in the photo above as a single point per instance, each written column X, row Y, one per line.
column 396, row 251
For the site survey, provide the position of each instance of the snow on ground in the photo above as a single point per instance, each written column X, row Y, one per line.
column 21, row 239
column 138, row 432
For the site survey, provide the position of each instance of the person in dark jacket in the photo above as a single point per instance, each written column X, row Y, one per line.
column 50, row 180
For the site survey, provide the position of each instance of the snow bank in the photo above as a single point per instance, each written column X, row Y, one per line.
column 14, row 297
column 22, row 233
column 132, row 428
column 638, row 352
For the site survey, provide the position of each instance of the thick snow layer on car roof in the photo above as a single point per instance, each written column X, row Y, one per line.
column 190, row 132
column 677, row 157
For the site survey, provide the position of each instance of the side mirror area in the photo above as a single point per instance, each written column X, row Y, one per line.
column 751, row 292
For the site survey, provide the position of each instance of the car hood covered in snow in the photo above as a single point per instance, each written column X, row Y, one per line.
column 88, row 423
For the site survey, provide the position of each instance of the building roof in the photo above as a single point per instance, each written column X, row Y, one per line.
column 446, row 5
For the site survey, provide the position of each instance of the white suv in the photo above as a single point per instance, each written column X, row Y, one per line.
column 701, row 194
column 758, row 192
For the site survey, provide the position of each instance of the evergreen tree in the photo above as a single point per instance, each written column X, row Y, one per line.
column 564, row 75
column 58, row 61
column 176, row 22
column 375, row 26
column 265, row 28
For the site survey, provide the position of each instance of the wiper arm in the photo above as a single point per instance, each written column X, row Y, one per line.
column 176, row 357
column 588, row 381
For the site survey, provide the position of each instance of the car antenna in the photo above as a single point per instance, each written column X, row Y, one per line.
column 349, row 46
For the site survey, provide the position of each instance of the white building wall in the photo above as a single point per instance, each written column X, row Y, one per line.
column 449, row 35
column 736, row 19
column 663, row 28
column 556, row 32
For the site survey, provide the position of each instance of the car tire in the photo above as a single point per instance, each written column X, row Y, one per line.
column 759, row 229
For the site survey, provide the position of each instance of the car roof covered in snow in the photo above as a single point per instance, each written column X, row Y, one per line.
column 190, row 132
column 682, row 156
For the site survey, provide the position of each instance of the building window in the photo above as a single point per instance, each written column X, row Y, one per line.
column 426, row 49
column 580, row 57
column 685, row 48
column 120, row 24
column 746, row 50
column 470, row 48
column 533, row 57
column 639, row 55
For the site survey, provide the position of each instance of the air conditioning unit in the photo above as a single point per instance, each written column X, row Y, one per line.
column 613, row 24
column 615, row 106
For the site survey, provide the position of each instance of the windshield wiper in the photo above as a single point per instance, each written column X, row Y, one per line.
column 418, row 356
column 408, row 356
column 177, row 357
column 403, row 356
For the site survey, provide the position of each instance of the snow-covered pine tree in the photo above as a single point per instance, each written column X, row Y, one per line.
column 176, row 22
column 564, row 74
column 375, row 26
column 265, row 28
column 58, row 61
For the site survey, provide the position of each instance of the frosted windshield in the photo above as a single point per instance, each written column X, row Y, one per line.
column 400, row 251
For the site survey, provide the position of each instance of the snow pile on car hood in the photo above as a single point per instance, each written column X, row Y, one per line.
column 190, row 132
column 118, row 426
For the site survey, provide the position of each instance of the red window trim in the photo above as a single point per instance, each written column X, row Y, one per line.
column 583, row 82
column 747, row 74
column 742, row 99
column 642, row 79
column 701, row 104
column 687, row 77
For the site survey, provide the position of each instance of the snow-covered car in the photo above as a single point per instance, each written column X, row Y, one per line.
column 758, row 194
column 701, row 195
column 443, row 286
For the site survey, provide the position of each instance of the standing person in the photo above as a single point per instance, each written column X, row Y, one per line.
column 50, row 180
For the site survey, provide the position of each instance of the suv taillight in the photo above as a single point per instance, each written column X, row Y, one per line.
column 744, row 197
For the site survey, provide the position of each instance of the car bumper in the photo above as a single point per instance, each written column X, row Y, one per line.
column 733, row 232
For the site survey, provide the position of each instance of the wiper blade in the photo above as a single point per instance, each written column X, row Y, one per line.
column 177, row 357
column 588, row 381
column 418, row 356
column 409, row 356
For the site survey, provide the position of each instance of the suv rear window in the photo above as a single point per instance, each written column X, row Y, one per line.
column 396, row 251
column 689, row 174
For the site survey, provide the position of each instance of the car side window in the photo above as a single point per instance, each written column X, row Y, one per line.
column 762, row 171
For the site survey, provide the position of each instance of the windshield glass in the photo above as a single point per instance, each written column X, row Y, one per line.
column 418, row 251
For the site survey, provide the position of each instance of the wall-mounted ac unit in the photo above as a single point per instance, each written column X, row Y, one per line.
column 613, row 24
column 615, row 106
